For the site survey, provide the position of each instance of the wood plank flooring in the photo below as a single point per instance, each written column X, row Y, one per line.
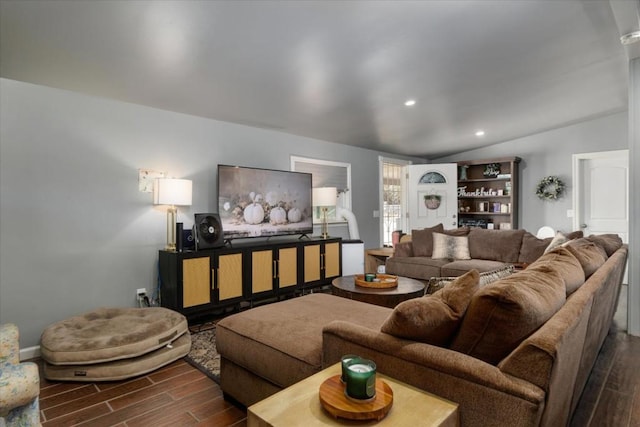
column 181, row 395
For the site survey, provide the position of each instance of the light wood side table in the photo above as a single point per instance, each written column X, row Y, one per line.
column 300, row 405
column 375, row 257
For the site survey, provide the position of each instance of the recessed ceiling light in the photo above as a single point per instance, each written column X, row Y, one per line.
column 479, row 133
column 410, row 102
column 630, row 38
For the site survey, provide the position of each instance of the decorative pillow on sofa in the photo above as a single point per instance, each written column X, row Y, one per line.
column 495, row 245
column 437, row 283
column 609, row 242
column 451, row 247
column 504, row 313
column 562, row 261
column 558, row 240
column 533, row 248
column 433, row 319
column 422, row 240
column 590, row 255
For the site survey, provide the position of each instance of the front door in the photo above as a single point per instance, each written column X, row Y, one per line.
column 432, row 195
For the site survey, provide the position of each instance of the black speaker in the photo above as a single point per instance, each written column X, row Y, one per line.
column 188, row 241
column 208, row 231
column 178, row 236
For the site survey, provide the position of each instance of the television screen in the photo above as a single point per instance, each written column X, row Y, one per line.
column 255, row 202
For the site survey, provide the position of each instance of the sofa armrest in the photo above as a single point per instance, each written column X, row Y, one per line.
column 486, row 395
column 403, row 249
column 19, row 385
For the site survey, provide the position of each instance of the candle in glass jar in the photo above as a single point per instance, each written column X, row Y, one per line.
column 346, row 360
column 361, row 379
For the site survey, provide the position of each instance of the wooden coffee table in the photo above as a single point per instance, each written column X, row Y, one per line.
column 387, row 297
column 300, row 405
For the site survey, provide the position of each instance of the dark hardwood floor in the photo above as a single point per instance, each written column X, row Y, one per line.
column 180, row 395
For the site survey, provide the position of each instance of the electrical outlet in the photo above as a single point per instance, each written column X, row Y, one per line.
column 141, row 291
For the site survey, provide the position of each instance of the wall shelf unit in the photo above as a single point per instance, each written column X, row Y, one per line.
column 488, row 193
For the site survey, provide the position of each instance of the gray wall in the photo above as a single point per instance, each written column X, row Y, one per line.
column 75, row 231
column 550, row 153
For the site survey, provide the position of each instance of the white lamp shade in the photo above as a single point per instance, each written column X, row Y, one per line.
column 169, row 191
column 325, row 196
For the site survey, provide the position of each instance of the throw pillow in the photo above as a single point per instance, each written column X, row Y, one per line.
column 433, row 319
column 502, row 314
column 461, row 231
column 437, row 283
column 422, row 240
column 556, row 242
column 451, row 247
column 609, row 242
column 590, row 255
column 564, row 263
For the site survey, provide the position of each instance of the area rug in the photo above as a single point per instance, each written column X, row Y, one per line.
column 203, row 354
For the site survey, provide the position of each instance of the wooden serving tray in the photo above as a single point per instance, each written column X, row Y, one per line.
column 335, row 401
column 386, row 281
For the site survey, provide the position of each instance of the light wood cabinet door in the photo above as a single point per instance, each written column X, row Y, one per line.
column 311, row 263
column 196, row 282
column 331, row 260
column 262, row 271
column 287, row 267
column 229, row 276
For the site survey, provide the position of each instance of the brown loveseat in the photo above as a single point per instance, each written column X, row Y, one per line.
column 520, row 355
column 488, row 250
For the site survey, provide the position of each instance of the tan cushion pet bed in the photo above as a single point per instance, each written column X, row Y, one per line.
column 121, row 369
column 108, row 334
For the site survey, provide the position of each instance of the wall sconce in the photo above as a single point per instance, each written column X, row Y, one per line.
column 325, row 197
column 172, row 192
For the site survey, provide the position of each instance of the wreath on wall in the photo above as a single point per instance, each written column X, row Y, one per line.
column 550, row 188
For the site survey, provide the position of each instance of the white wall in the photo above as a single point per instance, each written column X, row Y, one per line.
column 550, row 153
column 75, row 232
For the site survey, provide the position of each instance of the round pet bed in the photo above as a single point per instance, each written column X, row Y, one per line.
column 123, row 368
column 108, row 334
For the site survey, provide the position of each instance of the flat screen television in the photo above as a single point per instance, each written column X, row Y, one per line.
column 255, row 202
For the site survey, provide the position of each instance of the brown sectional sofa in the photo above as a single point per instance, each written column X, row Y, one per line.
column 521, row 354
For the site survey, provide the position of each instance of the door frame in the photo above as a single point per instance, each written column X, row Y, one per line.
column 403, row 202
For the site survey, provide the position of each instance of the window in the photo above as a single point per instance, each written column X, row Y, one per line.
column 327, row 173
column 393, row 204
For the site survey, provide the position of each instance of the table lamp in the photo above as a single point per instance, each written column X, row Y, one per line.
column 325, row 197
column 172, row 192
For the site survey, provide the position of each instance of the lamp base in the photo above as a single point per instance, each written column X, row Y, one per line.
column 172, row 213
column 324, row 231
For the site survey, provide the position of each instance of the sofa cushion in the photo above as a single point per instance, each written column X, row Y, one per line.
column 495, row 245
column 461, row 231
column 458, row 267
column 433, row 319
column 562, row 261
column 486, row 277
column 609, row 242
column 532, row 248
column 417, row 267
column 504, row 313
column 590, row 255
column 289, row 334
column 422, row 240
column 450, row 247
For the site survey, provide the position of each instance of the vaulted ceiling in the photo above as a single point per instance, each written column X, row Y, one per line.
column 339, row 71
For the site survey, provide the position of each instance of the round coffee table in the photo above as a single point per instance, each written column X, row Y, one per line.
column 387, row 297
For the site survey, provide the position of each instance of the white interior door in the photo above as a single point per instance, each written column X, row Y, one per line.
column 432, row 195
column 602, row 193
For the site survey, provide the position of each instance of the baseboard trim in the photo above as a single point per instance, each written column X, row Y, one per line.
column 29, row 353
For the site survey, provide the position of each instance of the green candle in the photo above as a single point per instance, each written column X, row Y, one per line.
column 361, row 379
column 346, row 360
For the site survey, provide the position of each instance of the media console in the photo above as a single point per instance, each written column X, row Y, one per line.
column 196, row 283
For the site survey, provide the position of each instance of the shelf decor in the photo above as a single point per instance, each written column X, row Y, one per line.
column 550, row 188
